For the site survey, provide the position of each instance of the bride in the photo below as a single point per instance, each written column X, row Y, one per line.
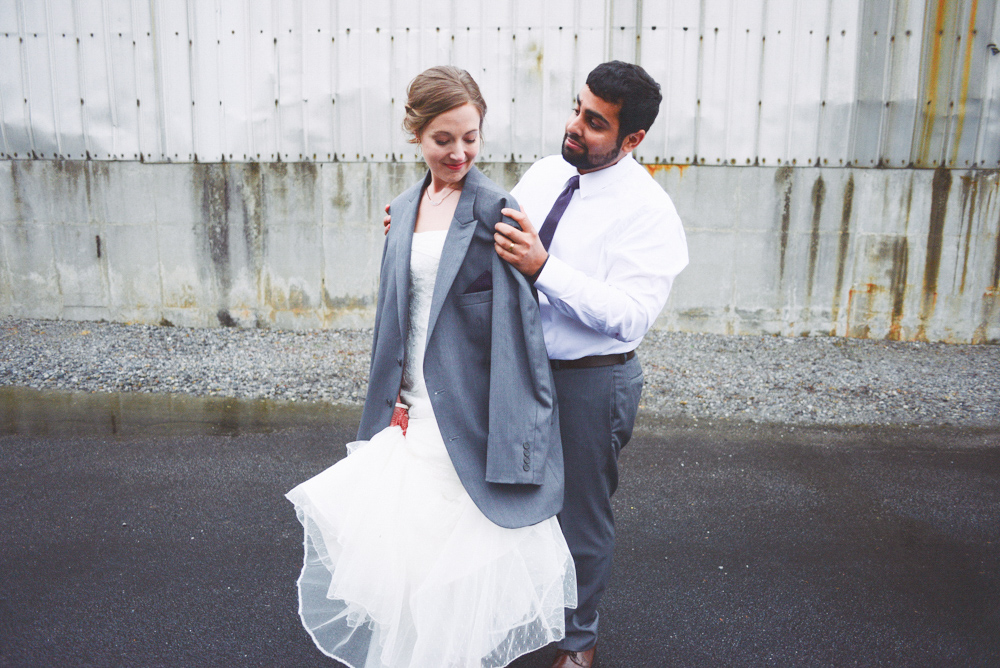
column 434, row 543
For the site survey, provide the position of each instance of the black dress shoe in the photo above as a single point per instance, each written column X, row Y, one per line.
column 567, row 659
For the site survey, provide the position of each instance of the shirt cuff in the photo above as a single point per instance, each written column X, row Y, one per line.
column 539, row 272
column 556, row 278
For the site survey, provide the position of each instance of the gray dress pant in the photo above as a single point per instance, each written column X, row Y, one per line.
column 597, row 409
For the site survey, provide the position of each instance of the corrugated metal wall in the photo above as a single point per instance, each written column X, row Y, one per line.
column 890, row 83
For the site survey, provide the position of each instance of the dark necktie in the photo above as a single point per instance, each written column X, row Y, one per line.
column 558, row 209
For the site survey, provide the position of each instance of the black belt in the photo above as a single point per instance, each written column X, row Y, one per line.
column 593, row 361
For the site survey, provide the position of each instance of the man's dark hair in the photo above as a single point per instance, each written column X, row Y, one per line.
column 630, row 86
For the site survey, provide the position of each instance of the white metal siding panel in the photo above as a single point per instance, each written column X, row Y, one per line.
column 839, row 83
column 902, row 96
column 744, row 81
column 674, row 65
column 988, row 137
column 730, row 69
column 777, row 95
column 971, row 87
column 808, row 75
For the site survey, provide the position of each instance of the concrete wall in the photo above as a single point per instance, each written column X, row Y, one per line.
column 902, row 254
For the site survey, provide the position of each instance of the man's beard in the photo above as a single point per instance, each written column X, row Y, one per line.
column 586, row 161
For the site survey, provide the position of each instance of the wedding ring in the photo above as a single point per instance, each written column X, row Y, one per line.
column 511, row 247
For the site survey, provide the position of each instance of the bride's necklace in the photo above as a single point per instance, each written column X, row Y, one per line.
column 438, row 203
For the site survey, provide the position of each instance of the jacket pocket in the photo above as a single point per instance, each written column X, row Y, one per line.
column 470, row 298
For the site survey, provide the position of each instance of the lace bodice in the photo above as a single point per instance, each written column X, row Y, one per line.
column 424, row 259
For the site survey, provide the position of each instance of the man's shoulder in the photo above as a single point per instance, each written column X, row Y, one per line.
column 644, row 186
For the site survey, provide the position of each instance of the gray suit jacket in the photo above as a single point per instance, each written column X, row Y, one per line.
column 487, row 372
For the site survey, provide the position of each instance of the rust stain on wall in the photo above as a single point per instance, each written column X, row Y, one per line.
column 653, row 169
column 996, row 260
column 861, row 300
column 970, row 188
column 963, row 96
column 847, row 207
column 990, row 318
column 818, row 195
column 783, row 177
column 22, row 208
column 254, row 216
column 214, row 182
column 940, row 190
column 900, row 252
column 931, row 101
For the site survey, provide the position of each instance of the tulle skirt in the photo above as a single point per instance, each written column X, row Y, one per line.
column 403, row 570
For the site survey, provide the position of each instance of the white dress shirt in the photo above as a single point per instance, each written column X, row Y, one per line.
column 614, row 256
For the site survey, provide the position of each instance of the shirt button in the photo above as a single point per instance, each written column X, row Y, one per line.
column 527, row 468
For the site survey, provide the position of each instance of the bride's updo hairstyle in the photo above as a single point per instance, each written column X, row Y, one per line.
column 435, row 91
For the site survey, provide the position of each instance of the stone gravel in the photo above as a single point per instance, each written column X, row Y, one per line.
column 799, row 381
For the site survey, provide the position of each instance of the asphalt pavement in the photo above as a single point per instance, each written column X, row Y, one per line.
column 153, row 531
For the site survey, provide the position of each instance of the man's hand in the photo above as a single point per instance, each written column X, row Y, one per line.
column 521, row 248
column 386, row 220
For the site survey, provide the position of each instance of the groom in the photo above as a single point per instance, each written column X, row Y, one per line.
column 603, row 262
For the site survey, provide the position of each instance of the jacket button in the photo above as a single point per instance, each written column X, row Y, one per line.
column 527, row 458
column 388, row 402
column 527, row 446
column 527, row 468
column 399, row 361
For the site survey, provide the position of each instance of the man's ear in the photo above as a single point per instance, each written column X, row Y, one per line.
column 633, row 140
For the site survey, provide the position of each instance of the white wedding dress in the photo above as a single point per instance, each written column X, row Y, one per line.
column 401, row 568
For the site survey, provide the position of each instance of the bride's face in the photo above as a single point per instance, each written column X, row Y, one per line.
column 450, row 144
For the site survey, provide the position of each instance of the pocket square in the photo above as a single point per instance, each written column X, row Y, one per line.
column 482, row 283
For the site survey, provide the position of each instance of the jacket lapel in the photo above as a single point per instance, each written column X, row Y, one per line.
column 456, row 244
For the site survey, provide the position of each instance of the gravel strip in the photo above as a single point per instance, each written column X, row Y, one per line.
column 807, row 381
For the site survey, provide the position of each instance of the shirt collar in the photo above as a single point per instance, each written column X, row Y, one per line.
column 592, row 182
